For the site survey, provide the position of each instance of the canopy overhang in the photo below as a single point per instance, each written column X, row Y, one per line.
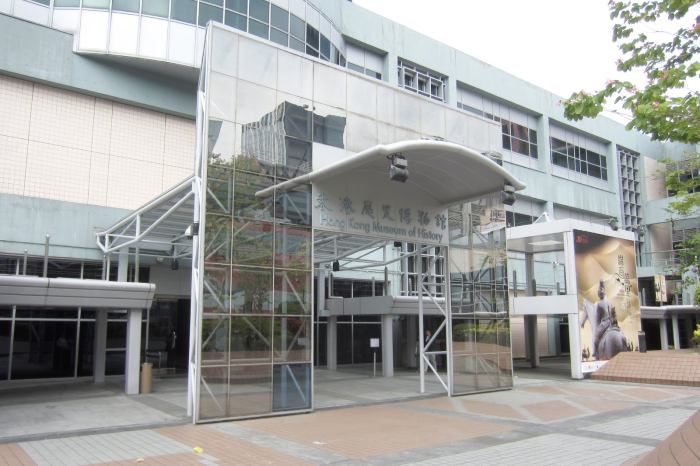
column 20, row 290
column 157, row 228
column 445, row 173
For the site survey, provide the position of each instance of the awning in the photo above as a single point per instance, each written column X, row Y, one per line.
column 443, row 172
column 20, row 290
column 157, row 228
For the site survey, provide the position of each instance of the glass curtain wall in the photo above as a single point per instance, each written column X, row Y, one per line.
column 255, row 337
column 481, row 349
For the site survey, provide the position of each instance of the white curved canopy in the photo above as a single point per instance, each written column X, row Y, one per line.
column 443, row 172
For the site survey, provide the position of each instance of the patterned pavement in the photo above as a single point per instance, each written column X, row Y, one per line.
column 538, row 422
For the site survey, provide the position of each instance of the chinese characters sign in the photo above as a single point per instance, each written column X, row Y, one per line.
column 364, row 214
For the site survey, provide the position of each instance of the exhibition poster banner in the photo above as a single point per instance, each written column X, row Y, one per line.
column 608, row 297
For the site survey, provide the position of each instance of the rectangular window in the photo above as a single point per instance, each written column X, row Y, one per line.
column 260, row 10
column 240, row 6
column 279, row 18
column 209, row 13
column 131, row 6
column 236, row 21
column 259, row 29
column 422, row 81
column 183, row 10
column 155, row 8
column 297, row 28
column 578, row 159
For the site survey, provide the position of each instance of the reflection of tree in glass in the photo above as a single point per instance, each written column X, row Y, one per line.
column 255, row 286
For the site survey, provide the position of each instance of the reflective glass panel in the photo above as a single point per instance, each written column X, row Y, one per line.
column 292, row 337
column 294, row 206
column 72, row 3
column 279, row 18
column 236, row 21
column 217, row 239
column 240, row 6
column 246, row 204
column 221, row 142
column 292, row 247
column 185, row 11
column 325, row 47
column 292, row 387
column 463, row 336
column 220, row 190
column 43, row 349
column 297, row 27
column 252, row 243
column 259, row 29
column 251, row 340
column 250, row 390
column 312, row 36
column 464, row 369
column 215, row 339
column 5, row 328
column 251, row 291
column 126, row 5
column 329, row 130
column 209, row 13
column 85, row 349
column 297, row 158
column 297, row 121
column 297, row 45
column 292, row 292
column 217, row 285
column 102, row 4
column 155, row 8
column 213, row 392
column 279, row 37
column 260, row 10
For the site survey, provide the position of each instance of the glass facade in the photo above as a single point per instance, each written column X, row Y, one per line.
column 261, row 125
column 481, row 349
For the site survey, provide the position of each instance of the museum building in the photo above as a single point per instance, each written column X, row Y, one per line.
column 258, row 196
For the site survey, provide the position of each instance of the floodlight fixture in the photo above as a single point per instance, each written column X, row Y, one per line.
column 398, row 170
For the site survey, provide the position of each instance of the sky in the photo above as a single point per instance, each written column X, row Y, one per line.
column 563, row 46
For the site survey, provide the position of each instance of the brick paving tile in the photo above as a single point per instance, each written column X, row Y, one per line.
column 601, row 405
column 364, row 432
column 546, row 389
column 12, row 454
column 554, row 410
column 227, row 449
column 648, row 394
column 176, row 459
column 491, row 409
column 593, row 392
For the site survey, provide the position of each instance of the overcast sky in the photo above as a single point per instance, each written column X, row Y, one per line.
column 560, row 45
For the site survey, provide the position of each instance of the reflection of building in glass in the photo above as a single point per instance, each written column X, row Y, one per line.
column 283, row 137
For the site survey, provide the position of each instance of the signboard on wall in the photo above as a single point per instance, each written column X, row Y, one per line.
column 608, row 299
column 660, row 288
column 361, row 212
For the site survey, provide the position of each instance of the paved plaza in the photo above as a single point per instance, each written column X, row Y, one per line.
column 539, row 422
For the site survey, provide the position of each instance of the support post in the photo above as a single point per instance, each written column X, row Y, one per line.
column 100, row 346
column 421, row 332
column 571, row 286
column 133, row 351
column 531, row 320
column 387, row 345
column 332, row 343
column 663, row 330
column 676, row 333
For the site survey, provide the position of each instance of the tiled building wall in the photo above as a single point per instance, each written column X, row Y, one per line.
column 61, row 145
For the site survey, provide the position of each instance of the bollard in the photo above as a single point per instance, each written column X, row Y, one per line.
column 146, row 378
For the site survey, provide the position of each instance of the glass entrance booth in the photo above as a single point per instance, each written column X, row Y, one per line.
column 307, row 172
column 597, row 292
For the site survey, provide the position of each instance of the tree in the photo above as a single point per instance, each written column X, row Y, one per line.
column 666, row 107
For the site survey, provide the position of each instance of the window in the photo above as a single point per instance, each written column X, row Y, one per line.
column 517, row 133
column 421, row 80
column 183, row 10
column 630, row 191
column 579, row 159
